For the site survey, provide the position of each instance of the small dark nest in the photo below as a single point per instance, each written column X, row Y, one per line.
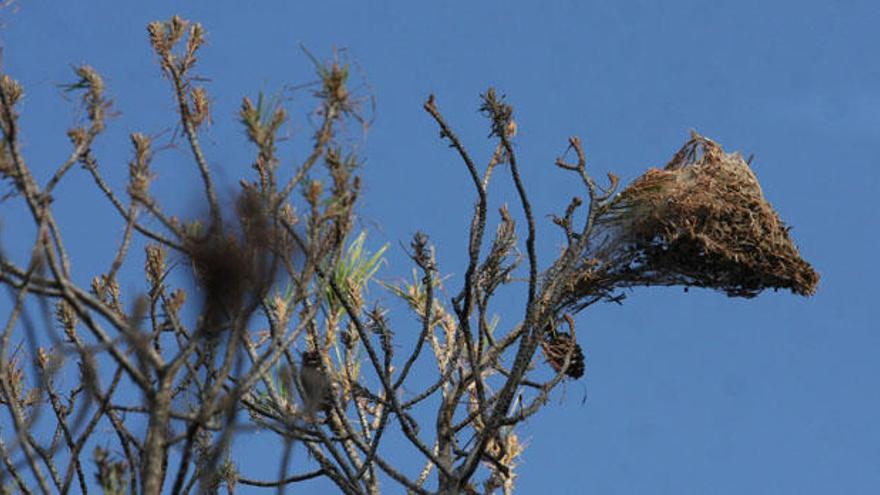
column 700, row 221
column 556, row 345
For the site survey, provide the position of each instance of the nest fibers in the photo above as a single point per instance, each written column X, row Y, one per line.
column 700, row 221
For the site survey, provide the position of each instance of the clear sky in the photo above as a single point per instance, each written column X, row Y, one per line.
column 684, row 393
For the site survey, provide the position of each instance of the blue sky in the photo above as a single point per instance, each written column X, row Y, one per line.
column 685, row 393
